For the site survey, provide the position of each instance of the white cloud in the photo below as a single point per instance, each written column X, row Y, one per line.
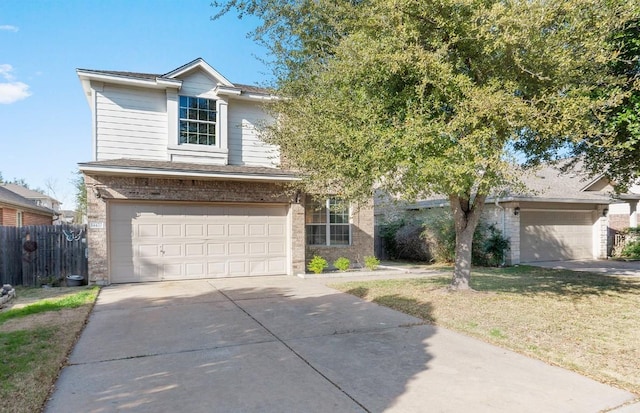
column 5, row 72
column 11, row 91
column 9, row 28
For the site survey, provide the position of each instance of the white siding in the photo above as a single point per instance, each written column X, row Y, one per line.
column 245, row 146
column 198, row 84
column 131, row 123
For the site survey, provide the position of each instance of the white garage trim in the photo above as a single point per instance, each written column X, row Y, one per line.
column 553, row 235
column 172, row 241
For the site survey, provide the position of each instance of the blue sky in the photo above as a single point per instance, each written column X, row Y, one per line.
column 45, row 122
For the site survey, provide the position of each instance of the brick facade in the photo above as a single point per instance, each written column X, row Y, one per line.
column 9, row 218
column 618, row 222
column 362, row 239
column 103, row 189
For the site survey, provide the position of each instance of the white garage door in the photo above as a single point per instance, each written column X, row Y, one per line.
column 555, row 235
column 154, row 242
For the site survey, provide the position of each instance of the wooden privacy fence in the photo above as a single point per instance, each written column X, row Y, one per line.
column 38, row 254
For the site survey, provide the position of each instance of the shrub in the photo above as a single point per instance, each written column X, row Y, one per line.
column 631, row 250
column 342, row 264
column 433, row 238
column 371, row 263
column 317, row 264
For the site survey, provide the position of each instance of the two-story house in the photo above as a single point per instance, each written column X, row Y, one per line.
column 18, row 211
column 181, row 186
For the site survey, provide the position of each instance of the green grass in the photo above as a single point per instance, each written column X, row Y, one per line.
column 19, row 351
column 55, row 304
column 586, row 322
column 35, row 340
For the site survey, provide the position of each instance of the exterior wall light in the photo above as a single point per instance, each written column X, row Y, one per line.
column 516, row 211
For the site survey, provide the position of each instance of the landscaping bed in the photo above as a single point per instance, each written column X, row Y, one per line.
column 586, row 322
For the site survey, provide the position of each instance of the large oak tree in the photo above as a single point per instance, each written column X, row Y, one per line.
column 423, row 97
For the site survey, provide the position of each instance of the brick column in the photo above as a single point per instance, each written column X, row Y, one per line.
column 96, row 234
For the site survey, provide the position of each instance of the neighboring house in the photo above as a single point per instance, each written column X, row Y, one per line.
column 624, row 214
column 17, row 211
column 36, row 197
column 67, row 216
column 563, row 216
column 181, row 185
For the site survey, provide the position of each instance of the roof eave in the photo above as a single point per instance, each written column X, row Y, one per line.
column 181, row 173
column 157, row 83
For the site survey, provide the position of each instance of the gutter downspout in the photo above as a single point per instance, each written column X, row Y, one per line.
column 504, row 226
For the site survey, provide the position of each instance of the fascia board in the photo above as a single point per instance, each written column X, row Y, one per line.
column 187, row 174
column 158, row 83
column 200, row 63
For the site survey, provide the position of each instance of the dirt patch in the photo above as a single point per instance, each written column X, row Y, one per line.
column 48, row 319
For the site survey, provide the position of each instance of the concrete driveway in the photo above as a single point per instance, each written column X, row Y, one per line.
column 609, row 267
column 283, row 344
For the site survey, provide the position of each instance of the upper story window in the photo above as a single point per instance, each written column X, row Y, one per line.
column 327, row 222
column 197, row 121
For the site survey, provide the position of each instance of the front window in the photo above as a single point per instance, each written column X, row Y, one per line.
column 327, row 222
column 197, row 121
column 19, row 219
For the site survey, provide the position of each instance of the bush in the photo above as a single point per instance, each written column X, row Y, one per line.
column 317, row 264
column 371, row 263
column 342, row 264
column 631, row 250
column 433, row 238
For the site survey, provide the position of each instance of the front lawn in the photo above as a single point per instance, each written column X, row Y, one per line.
column 589, row 323
column 36, row 335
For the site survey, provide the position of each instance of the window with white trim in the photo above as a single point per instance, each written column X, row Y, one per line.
column 327, row 222
column 197, row 121
column 19, row 219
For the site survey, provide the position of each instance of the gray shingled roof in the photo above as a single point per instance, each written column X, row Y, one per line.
column 15, row 200
column 551, row 183
column 546, row 184
column 141, row 165
column 153, row 76
column 27, row 193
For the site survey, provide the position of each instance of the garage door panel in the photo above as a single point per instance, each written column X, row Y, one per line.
column 151, row 242
column 555, row 235
column 194, row 230
column 148, row 230
column 215, row 249
column 238, row 268
column 257, row 230
column 172, row 250
column 216, row 268
column 237, row 230
column 215, row 230
column 237, row 248
column 276, row 229
column 171, row 230
column 147, row 251
column 194, row 250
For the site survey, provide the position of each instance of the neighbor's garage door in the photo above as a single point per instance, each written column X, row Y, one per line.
column 555, row 235
column 153, row 242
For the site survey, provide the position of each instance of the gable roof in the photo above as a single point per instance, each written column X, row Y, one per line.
column 17, row 201
column 28, row 193
column 169, row 79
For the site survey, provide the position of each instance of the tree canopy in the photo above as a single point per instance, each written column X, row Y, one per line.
column 616, row 151
column 432, row 97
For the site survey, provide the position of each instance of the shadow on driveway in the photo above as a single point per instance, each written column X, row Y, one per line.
column 281, row 344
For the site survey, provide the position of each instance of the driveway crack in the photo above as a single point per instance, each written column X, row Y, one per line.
column 311, row 366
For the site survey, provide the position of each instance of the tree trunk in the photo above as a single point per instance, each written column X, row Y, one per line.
column 466, row 215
